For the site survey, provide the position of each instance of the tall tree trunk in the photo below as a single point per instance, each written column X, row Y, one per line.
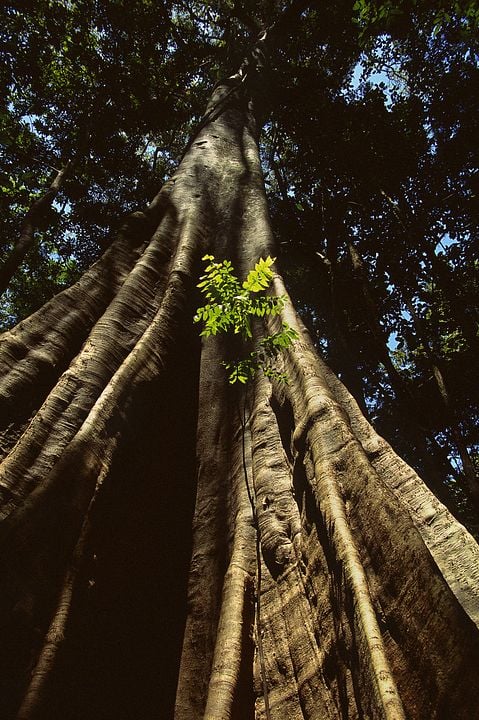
column 410, row 408
column 27, row 231
column 468, row 468
column 341, row 346
column 365, row 598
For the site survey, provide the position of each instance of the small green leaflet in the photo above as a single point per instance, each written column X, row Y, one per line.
column 231, row 306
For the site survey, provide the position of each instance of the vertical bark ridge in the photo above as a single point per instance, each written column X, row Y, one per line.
column 445, row 616
column 65, row 492
column 394, row 555
column 280, row 673
column 276, row 509
column 279, row 524
column 315, row 696
column 225, row 694
column 324, row 432
column 447, row 540
column 211, row 535
column 38, row 349
column 322, row 586
column 380, row 695
column 113, row 336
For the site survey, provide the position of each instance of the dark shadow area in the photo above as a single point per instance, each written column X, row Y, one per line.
column 244, row 700
column 121, row 659
column 285, row 419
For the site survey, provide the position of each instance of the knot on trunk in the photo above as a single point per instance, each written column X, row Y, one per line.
column 278, row 523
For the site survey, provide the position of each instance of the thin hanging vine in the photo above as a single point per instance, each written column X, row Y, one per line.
column 232, row 307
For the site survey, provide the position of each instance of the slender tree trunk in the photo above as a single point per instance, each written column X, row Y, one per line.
column 468, row 468
column 342, row 349
column 372, row 318
column 411, row 409
column 129, row 549
column 28, row 227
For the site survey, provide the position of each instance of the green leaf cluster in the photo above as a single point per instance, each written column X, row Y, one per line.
column 232, row 306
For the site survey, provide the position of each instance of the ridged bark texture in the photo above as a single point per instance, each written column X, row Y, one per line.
column 139, row 492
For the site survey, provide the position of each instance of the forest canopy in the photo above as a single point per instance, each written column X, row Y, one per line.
column 370, row 156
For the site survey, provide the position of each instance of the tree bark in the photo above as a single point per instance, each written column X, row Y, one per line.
column 143, row 568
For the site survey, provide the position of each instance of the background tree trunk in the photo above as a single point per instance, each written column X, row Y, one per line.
column 130, row 582
column 419, row 424
column 30, row 223
column 468, row 469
